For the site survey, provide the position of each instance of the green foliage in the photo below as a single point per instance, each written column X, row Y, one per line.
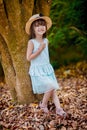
column 68, row 42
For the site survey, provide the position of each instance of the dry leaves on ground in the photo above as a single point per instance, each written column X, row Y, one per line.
column 73, row 98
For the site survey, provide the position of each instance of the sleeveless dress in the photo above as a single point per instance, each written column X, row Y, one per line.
column 41, row 71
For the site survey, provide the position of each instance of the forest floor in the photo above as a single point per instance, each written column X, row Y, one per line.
column 73, row 98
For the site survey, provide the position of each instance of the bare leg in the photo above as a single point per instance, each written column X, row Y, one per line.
column 46, row 97
column 56, row 101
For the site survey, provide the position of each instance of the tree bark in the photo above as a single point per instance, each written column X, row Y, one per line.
column 13, row 45
column 8, row 68
column 43, row 6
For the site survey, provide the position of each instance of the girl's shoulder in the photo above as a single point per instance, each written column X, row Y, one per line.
column 46, row 40
column 31, row 41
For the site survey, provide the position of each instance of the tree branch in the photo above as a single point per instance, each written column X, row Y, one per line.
column 8, row 67
column 5, row 53
column 3, row 19
column 14, row 14
column 28, row 6
column 43, row 6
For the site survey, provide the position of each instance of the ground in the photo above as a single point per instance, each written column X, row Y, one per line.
column 73, row 98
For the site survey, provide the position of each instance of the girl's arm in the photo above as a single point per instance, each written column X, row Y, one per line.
column 30, row 55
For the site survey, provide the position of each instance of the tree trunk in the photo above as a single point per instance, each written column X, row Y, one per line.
column 43, row 6
column 8, row 68
column 13, row 45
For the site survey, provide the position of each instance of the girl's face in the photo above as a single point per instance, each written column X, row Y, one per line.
column 40, row 27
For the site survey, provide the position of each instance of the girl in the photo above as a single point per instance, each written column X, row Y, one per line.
column 41, row 72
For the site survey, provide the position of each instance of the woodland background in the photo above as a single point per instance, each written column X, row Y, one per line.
column 68, row 35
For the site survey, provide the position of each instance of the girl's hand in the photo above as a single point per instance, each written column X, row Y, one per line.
column 42, row 46
column 30, row 54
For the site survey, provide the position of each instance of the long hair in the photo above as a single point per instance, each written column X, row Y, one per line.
column 37, row 23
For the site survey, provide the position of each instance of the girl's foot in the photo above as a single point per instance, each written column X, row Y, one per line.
column 44, row 108
column 61, row 112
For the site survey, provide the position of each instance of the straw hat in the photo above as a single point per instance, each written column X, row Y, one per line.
column 36, row 17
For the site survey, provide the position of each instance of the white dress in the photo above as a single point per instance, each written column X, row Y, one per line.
column 41, row 71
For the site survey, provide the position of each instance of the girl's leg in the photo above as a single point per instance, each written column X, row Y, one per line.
column 45, row 99
column 56, row 101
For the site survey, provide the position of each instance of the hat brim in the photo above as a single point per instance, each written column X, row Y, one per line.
column 29, row 22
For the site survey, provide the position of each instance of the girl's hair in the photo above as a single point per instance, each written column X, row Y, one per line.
column 37, row 23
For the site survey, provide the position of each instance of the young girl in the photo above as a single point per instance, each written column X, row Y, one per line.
column 41, row 72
